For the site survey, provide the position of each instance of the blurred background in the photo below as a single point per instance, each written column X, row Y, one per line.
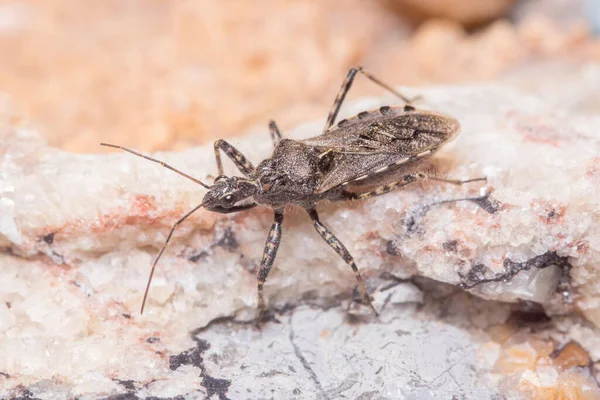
column 169, row 74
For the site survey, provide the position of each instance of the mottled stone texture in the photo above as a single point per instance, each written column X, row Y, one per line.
column 78, row 234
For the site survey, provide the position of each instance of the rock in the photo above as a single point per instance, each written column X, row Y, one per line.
column 313, row 363
column 572, row 355
column 465, row 12
column 79, row 232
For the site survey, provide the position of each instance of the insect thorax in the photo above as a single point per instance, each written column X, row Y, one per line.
column 290, row 176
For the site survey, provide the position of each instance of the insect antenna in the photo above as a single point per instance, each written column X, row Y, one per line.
column 162, row 250
column 159, row 162
column 179, row 221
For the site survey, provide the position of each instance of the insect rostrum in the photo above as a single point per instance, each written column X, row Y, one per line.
column 359, row 158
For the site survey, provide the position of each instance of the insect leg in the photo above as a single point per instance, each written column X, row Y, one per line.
column 162, row 250
column 240, row 161
column 343, row 252
column 337, row 104
column 268, row 258
column 275, row 133
column 456, row 181
column 407, row 179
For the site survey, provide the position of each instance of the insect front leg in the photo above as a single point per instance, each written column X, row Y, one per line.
column 407, row 179
column 240, row 161
column 339, row 248
column 339, row 100
column 275, row 133
column 268, row 258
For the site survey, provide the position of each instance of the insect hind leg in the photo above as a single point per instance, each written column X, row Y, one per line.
column 406, row 180
column 339, row 248
column 345, row 88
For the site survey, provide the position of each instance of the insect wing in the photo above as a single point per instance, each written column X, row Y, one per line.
column 373, row 141
column 351, row 167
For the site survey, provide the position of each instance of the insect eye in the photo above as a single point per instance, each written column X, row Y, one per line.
column 227, row 201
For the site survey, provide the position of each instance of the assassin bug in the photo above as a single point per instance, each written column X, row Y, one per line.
column 359, row 158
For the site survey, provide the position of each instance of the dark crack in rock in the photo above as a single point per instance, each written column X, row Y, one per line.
column 126, row 383
column 450, row 245
column 133, row 396
column 476, row 274
column 49, row 238
column 412, row 221
column 25, row 395
column 226, row 241
column 123, row 396
column 216, row 386
column 193, row 356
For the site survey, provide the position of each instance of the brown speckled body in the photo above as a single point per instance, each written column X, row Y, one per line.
column 354, row 152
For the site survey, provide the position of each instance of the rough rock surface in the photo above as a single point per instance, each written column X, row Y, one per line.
column 78, row 234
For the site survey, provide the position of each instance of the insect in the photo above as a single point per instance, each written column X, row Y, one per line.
column 358, row 158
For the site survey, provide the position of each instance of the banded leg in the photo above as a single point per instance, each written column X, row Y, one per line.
column 344, row 253
column 337, row 104
column 275, row 133
column 269, row 254
column 408, row 179
column 240, row 161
